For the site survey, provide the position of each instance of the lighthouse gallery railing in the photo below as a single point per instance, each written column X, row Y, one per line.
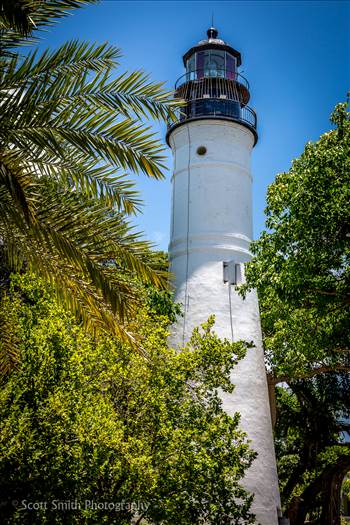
column 213, row 92
column 215, row 107
column 213, row 83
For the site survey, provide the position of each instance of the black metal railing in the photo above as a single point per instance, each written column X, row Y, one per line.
column 236, row 88
column 215, row 107
column 211, row 72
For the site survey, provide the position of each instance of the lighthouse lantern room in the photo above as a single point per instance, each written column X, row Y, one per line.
column 212, row 85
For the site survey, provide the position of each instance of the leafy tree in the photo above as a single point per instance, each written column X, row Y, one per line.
column 302, row 273
column 346, row 486
column 70, row 132
column 301, row 264
column 86, row 419
column 312, row 446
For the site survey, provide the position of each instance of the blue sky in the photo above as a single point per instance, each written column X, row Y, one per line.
column 296, row 56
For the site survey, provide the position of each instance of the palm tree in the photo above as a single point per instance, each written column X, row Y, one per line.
column 70, row 131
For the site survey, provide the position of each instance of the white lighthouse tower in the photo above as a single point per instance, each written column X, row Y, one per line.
column 211, row 229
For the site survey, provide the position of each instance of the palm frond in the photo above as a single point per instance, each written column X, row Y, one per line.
column 19, row 183
column 72, row 59
column 71, row 134
column 20, row 20
column 134, row 94
column 90, row 255
column 9, row 342
column 15, row 14
column 96, row 181
column 86, row 113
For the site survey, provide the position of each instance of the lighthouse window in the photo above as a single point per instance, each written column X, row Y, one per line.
column 211, row 63
column 200, row 64
column 207, row 64
column 230, row 67
column 217, row 64
column 191, row 66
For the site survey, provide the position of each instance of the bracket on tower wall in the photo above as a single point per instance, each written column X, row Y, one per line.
column 232, row 272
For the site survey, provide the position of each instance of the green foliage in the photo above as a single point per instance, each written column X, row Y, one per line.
column 311, row 438
column 85, row 419
column 302, row 273
column 346, row 486
column 71, row 130
column 313, row 415
column 20, row 20
column 301, row 264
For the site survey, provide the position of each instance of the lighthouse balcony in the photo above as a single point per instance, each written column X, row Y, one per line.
column 214, row 108
column 213, row 83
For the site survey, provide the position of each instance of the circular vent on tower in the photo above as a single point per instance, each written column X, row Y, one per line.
column 201, row 150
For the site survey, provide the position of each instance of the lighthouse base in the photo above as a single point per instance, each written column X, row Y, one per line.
column 204, row 293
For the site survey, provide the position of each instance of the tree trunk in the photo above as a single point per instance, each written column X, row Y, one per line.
column 328, row 485
column 332, row 499
column 296, row 511
column 271, row 384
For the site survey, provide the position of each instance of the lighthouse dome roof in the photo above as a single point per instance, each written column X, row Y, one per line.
column 212, row 42
column 212, row 38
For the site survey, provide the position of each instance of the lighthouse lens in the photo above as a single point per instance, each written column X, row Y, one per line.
column 217, row 64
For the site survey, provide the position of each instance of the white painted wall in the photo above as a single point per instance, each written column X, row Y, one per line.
column 212, row 222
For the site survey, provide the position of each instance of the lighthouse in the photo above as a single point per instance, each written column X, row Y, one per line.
column 211, row 230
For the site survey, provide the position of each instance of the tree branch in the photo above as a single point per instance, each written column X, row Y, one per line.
column 314, row 372
column 272, row 399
